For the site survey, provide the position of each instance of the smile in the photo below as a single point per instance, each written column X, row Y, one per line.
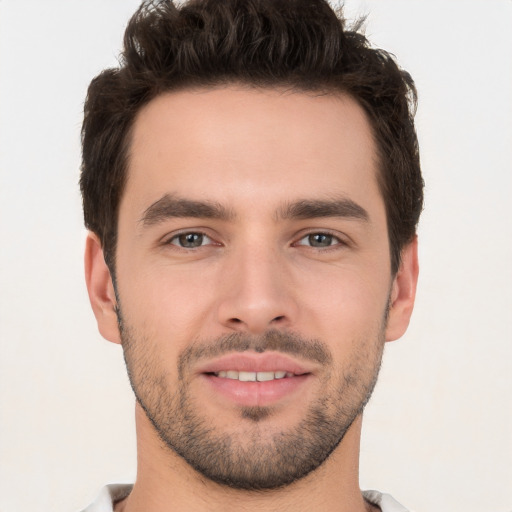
column 254, row 379
column 253, row 376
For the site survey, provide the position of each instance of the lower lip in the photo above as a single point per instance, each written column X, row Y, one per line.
column 251, row 394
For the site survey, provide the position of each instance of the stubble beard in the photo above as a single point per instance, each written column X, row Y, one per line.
column 254, row 458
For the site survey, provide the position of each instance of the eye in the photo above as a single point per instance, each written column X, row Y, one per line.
column 190, row 240
column 320, row 240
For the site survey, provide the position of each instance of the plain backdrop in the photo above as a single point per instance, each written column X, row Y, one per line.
column 438, row 431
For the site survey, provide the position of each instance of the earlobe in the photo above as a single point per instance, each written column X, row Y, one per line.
column 101, row 289
column 403, row 292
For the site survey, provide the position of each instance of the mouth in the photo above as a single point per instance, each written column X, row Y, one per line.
column 251, row 379
column 253, row 376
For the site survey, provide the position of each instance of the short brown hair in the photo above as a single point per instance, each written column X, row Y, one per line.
column 299, row 44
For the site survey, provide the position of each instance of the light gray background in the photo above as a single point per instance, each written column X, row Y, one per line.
column 438, row 431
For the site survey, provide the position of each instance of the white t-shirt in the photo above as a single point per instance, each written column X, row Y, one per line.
column 113, row 493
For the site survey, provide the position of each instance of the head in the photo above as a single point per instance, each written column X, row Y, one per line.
column 297, row 45
column 251, row 180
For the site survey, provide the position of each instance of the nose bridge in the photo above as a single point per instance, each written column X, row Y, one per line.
column 257, row 289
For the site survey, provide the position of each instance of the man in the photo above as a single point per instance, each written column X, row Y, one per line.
column 252, row 187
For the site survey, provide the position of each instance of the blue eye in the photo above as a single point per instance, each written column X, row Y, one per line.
column 190, row 240
column 319, row 240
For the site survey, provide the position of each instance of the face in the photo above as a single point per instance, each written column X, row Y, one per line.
column 253, row 283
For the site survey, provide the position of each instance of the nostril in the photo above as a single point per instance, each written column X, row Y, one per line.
column 256, row 323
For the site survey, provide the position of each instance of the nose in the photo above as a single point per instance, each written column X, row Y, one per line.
column 257, row 292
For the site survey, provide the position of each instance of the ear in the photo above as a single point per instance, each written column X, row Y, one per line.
column 101, row 289
column 403, row 292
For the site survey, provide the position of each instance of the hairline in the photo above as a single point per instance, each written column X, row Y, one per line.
column 328, row 89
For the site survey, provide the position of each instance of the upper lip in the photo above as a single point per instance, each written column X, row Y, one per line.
column 255, row 362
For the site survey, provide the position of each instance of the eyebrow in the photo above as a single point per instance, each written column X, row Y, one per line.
column 169, row 207
column 317, row 208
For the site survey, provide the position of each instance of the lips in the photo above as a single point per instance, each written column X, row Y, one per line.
column 254, row 362
column 252, row 379
column 253, row 376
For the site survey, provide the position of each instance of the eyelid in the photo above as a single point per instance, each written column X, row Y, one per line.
column 341, row 240
column 205, row 240
column 170, row 237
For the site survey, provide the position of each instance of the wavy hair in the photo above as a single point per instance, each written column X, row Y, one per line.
column 303, row 45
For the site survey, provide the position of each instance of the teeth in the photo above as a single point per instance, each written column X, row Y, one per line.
column 253, row 376
column 264, row 376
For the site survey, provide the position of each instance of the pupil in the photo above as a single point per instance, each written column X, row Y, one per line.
column 191, row 240
column 320, row 240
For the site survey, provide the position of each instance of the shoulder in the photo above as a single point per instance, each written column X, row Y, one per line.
column 386, row 502
column 108, row 496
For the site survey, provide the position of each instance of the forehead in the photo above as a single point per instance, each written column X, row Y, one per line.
column 237, row 145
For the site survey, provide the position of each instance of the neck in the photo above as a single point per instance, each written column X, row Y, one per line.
column 166, row 482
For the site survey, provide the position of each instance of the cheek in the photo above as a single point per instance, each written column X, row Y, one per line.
column 167, row 301
column 346, row 299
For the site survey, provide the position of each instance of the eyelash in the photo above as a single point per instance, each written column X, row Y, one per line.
column 184, row 234
column 333, row 238
column 180, row 238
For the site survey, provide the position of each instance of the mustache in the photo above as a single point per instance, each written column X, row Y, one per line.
column 272, row 340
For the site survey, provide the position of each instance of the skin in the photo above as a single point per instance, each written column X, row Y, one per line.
column 254, row 152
